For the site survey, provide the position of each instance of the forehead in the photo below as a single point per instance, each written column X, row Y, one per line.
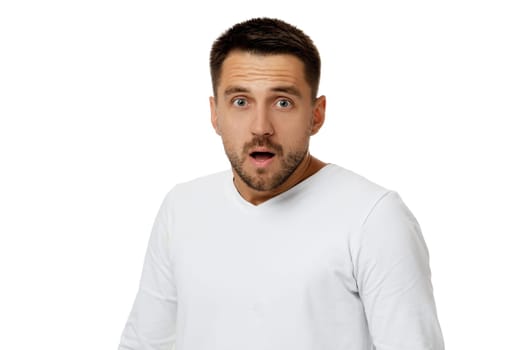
column 244, row 68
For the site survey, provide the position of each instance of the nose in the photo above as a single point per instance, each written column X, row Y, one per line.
column 261, row 123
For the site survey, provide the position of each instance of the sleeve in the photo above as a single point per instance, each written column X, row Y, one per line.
column 151, row 323
column 394, row 280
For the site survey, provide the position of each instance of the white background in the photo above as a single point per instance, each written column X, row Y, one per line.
column 104, row 107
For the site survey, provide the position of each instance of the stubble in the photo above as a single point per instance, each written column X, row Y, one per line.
column 260, row 182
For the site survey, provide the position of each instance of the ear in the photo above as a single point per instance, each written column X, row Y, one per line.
column 318, row 114
column 213, row 114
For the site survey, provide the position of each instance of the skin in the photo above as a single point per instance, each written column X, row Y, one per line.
column 264, row 104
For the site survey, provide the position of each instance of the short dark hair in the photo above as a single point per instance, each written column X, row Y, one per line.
column 267, row 36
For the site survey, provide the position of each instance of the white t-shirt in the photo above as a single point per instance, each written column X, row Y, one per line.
column 334, row 263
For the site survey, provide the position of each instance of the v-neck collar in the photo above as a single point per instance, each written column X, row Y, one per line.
column 275, row 200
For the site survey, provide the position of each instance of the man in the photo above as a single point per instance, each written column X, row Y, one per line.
column 284, row 252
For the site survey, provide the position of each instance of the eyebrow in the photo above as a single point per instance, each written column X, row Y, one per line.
column 235, row 90
column 289, row 89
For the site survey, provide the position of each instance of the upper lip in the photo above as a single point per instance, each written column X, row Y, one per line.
column 261, row 150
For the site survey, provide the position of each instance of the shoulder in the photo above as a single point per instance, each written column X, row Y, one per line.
column 376, row 200
column 350, row 186
column 205, row 187
column 342, row 195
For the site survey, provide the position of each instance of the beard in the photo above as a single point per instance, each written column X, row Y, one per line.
column 259, row 182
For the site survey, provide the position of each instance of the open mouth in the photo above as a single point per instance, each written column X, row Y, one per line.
column 262, row 156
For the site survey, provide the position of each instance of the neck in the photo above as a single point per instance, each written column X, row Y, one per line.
column 308, row 166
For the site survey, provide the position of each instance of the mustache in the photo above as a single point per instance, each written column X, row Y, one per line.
column 263, row 141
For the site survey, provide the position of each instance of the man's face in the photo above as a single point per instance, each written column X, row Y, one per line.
column 265, row 115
